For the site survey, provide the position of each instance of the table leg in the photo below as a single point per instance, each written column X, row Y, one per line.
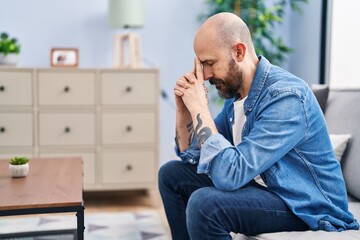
column 80, row 223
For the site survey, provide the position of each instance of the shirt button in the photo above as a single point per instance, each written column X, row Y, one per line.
column 191, row 160
column 230, row 119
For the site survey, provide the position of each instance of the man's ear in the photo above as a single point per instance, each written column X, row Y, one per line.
column 239, row 50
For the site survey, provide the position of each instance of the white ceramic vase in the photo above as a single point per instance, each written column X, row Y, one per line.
column 19, row 170
column 9, row 59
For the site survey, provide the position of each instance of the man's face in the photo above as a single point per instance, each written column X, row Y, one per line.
column 219, row 66
column 229, row 85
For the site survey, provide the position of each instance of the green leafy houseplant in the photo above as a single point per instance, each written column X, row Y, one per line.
column 18, row 160
column 8, row 45
column 262, row 17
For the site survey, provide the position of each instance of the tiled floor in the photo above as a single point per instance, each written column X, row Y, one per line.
column 120, row 225
column 108, row 215
column 128, row 201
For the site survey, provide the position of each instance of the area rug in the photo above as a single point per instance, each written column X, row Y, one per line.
column 98, row 226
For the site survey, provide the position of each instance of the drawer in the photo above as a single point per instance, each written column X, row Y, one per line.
column 128, row 166
column 88, row 163
column 129, row 88
column 66, row 129
column 66, row 88
column 128, row 128
column 15, row 89
column 16, row 129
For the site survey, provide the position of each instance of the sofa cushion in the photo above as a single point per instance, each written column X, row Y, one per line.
column 342, row 117
column 339, row 143
column 316, row 235
column 354, row 208
column 310, row 235
column 321, row 93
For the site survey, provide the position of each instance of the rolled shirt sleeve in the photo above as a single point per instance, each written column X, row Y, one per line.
column 215, row 144
column 190, row 155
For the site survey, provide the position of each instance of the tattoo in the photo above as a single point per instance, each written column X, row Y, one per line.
column 177, row 138
column 202, row 133
column 190, row 128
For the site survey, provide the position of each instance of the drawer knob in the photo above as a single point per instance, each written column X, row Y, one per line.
column 128, row 89
column 2, row 88
column 66, row 89
column 129, row 167
column 129, row 128
column 67, row 129
column 2, row 129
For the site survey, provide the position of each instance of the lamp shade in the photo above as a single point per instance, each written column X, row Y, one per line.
column 126, row 13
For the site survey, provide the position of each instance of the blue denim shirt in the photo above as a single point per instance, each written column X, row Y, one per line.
column 285, row 139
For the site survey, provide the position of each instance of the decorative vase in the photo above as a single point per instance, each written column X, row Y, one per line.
column 19, row 170
column 9, row 59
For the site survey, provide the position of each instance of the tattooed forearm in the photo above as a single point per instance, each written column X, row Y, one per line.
column 190, row 128
column 202, row 133
column 185, row 134
column 177, row 138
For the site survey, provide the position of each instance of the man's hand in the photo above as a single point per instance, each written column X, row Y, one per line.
column 181, row 85
column 191, row 89
column 184, row 122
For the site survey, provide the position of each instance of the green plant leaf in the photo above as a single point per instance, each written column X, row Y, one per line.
column 18, row 160
column 8, row 45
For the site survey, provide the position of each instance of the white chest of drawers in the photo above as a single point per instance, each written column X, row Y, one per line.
column 109, row 117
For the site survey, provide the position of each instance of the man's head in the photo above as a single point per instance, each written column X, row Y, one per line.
column 224, row 46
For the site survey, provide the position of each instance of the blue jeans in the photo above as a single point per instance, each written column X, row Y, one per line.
column 195, row 209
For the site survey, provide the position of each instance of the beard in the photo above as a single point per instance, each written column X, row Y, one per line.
column 228, row 86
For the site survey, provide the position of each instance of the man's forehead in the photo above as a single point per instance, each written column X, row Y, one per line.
column 203, row 46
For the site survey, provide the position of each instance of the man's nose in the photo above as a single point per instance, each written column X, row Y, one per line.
column 207, row 73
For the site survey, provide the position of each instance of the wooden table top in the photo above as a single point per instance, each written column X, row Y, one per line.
column 51, row 182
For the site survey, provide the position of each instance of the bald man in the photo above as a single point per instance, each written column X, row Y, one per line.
column 271, row 125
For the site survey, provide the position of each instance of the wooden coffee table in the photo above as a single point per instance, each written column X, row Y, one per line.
column 53, row 185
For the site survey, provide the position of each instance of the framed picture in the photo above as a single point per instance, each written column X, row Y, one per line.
column 64, row 57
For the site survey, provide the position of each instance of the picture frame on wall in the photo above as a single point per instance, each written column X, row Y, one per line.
column 64, row 57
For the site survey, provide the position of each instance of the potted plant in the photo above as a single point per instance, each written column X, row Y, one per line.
column 19, row 166
column 9, row 49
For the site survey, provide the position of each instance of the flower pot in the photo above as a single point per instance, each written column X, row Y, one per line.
column 19, row 170
column 9, row 59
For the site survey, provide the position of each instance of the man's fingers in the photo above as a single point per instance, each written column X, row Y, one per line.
column 190, row 77
column 178, row 92
column 198, row 69
column 183, row 82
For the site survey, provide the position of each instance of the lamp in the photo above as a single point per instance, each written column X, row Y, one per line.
column 126, row 14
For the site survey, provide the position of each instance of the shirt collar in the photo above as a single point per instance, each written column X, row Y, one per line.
column 258, row 83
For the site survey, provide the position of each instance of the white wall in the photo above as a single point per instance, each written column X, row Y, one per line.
column 345, row 44
column 167, row 39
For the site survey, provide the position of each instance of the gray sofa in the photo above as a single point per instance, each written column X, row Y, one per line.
column 342, row 112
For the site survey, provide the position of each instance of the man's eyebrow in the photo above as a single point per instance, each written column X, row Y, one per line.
column 206, row 60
